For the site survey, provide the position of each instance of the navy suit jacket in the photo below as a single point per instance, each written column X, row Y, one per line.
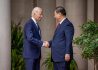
column 32, row 40
column 61, row 43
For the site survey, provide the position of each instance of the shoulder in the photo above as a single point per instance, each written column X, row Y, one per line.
column 29, row 23
column 67, row 23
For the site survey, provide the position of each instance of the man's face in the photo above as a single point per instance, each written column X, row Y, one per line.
column 38, row 15
column 56, row 15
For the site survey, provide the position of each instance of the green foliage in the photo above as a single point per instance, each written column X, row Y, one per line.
column 49, row 65
column 17, row 62
column 88, row 40
column 73, row 65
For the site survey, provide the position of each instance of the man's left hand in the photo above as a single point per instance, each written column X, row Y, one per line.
column 67, row 57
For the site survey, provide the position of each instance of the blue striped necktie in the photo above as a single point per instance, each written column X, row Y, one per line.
column 38, row 28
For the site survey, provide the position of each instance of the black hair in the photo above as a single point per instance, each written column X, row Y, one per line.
column 61, row 10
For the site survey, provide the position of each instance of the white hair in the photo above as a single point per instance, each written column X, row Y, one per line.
column 36, row 10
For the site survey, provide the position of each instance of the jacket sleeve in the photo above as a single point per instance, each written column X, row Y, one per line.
column 29, row 35
column 69, row 32
column 50, row 43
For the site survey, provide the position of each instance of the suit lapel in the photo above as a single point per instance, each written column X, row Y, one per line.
column 64, row 23
column 37, row 28
column 57, row 28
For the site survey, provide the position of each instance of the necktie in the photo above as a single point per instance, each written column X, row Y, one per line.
column 36, row 24
column 38, row 28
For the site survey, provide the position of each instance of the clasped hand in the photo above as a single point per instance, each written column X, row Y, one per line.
column 46, row 44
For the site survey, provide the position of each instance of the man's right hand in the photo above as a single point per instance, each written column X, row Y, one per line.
column 46, row 44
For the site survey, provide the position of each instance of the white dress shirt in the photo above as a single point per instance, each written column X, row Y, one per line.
column 35, row 21
column 62, row 20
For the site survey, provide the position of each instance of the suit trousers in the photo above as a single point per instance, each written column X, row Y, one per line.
column 61, row 65
column 32, row 64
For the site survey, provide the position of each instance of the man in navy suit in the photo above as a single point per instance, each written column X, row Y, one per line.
column 61, row 44
column 32, row 41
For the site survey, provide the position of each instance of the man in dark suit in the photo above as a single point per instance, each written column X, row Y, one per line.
column 61, row 44
column 32, row 41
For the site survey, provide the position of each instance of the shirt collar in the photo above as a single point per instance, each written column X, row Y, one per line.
column 62, row 20
column 34, row 20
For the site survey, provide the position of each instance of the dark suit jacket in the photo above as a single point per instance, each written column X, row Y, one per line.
column 32, row 40
column 61, row 43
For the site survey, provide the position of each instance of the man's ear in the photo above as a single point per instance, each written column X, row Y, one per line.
column 34, row 13
column 60, row 13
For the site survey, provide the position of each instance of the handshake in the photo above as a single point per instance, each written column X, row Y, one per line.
column 46, row 44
